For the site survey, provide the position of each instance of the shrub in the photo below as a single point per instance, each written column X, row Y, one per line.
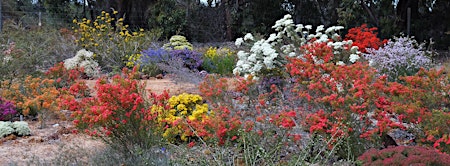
column 25, row 51
column 178, row 42
column 220, row 61
column 182, row 110
column 402, row 56
column 364, row 37
column 5, row 129
column 21, row 128
column 34, row 96
column 404, row 155
column 110, row 40
column 271, row 53
column 118, row 114
column 83, row 60
column 183, row 63
column 191, row 59
column 7, row 109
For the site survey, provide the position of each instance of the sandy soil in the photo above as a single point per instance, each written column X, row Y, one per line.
column 46, row 144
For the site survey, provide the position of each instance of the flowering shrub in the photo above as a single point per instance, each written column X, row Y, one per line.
column 85, row 61
column 272, row 53
column 178, row 42
column 183, row 109
column 7, row 109
column 364, row 37
column 404, row 155
column 109, row 39
column 220, row 61
column 402, row 56
column 190, row 59
column 118, row 113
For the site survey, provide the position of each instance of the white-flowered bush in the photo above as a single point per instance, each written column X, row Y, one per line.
column 84, row 59
column 271, row 53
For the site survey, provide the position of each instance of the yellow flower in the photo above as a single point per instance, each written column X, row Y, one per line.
column 115, row 12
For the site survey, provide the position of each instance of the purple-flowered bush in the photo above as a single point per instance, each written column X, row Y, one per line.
column 402, row 56
column 191, row 59
column 7, row 109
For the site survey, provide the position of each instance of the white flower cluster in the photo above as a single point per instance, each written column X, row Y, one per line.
column 84, row 59
column 272, row 52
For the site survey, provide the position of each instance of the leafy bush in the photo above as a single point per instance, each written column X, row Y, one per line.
column 404, row 155
column 5, row 129
column 7, row 109
column 220, row 61
column 402, row 56
column 21, row 128
column 25, row 51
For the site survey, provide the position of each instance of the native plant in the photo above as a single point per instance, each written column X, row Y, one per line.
column 402, row 56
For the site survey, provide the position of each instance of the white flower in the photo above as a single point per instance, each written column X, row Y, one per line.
column 84, row 54
column 319, row 28
column 340, row 63
column 70, row 63
column 292, row 54
column 272, row 38
column 339, row 87
column 252, row 58
column 248, row 36
column 353, row 58
column 239, row 42
column 308, row 27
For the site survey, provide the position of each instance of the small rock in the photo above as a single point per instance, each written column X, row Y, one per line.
column 56, row 125
column 159, row 76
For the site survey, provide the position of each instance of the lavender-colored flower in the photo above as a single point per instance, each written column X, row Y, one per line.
column 401, row 57
column 7, row 109
column 191, row 59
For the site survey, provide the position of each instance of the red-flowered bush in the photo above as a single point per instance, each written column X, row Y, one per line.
column 364, row 37
column 404, row 155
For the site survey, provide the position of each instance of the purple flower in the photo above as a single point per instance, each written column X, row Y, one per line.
column 191, row 59
column 401, row 57
column 7, row 109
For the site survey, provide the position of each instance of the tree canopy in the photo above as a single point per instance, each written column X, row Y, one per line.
column 225, row 20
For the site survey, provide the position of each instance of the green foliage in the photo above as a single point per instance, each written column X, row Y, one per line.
column 5, row 129
column 219, row 61
column 31, row 51
column 111, row 41
column 167, row 16
column 21, row 128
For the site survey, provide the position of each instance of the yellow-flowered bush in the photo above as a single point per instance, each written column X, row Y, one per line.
column 220, row 61
column 183, row 110
column 113, row 44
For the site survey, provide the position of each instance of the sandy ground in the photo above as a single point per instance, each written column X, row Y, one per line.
column 48, row 143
